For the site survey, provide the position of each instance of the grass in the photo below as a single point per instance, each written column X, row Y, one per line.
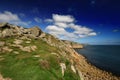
column 24, row 66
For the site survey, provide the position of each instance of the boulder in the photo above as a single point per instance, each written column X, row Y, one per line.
column 3, row 24
column 7, row 33
column 18, row 41
column 35, row 31
column 42, row 35
column 2, row 43
column 6, row 49
column 63, row 68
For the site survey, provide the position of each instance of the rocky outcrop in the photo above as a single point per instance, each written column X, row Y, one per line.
column 73, row 44
column 3, row 24
column 7, row 30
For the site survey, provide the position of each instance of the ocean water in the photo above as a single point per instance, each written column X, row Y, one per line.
column 105, row 57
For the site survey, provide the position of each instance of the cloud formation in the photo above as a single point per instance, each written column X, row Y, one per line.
column 38, row 20
column 64, row 27
column 116, row 30
column 10, row 17
column 63, row 18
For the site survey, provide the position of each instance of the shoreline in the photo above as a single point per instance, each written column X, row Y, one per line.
column 90, row 71
column 114, row 74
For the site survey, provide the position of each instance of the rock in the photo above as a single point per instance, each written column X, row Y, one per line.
column 16, row 52
column 28, row 48
column 33, row 48
column 17, row 41
column 27, row 42
column 55, row 54
column 35, row 31
column 42, row 35
column 1, row 78
column 6, row 49
column 32, row 32
column 73, row 69
column 37, row 56
column 63, row 68
column 7, row 33
column 2, row 43
column 3, row 24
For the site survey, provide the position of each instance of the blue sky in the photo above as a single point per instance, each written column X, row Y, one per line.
column 84, row 21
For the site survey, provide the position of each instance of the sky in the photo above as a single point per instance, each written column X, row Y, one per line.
column 85, row 21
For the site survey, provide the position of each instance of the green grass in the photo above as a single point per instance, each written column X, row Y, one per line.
column 24, row 66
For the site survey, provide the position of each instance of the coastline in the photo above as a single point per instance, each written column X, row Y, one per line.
column 91, row 72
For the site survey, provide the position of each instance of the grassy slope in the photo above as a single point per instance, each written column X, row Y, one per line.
column 24, row 66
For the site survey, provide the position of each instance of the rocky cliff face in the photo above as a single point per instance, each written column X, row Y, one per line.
column 27, row 47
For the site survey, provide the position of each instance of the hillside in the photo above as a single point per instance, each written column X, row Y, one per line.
column 31, row 54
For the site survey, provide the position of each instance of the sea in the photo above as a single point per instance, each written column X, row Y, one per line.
column 105, row 57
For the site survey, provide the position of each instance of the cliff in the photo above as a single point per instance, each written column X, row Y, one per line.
column 31, row 54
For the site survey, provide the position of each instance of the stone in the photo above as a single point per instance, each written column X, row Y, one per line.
column 1, row 78
column 63, row 68
column 37, row 56
column 7, row 33
column 35, row 31
column 28, row 48
column 42, row 35
column 33, row 48
column 2, row 43
column 3, row 24
column 73, row 69
column 6, row 49
column 18, row 41
column 27, row 42
column 16, row 52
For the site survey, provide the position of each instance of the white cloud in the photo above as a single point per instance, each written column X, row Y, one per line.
column 53, row 28
column 48, row 20
column 63, row 18
column 10, row 17
column 38, row 20
column 92, row 34
column 63, row 23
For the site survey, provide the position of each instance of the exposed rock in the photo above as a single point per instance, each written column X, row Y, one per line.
column 33, row 48
column 1, row 78
column 6, row 49
column 32, row 32
column 3, row 24
column 37, row 56
column 73, row 69
column 8, row 30
column 55, row 54
column 42, row 35
column 2, row 43
column 16, row 52
column 27, row 42
column 63, row 68
column 17, row 41
column 7, row 33
column 28, row 48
